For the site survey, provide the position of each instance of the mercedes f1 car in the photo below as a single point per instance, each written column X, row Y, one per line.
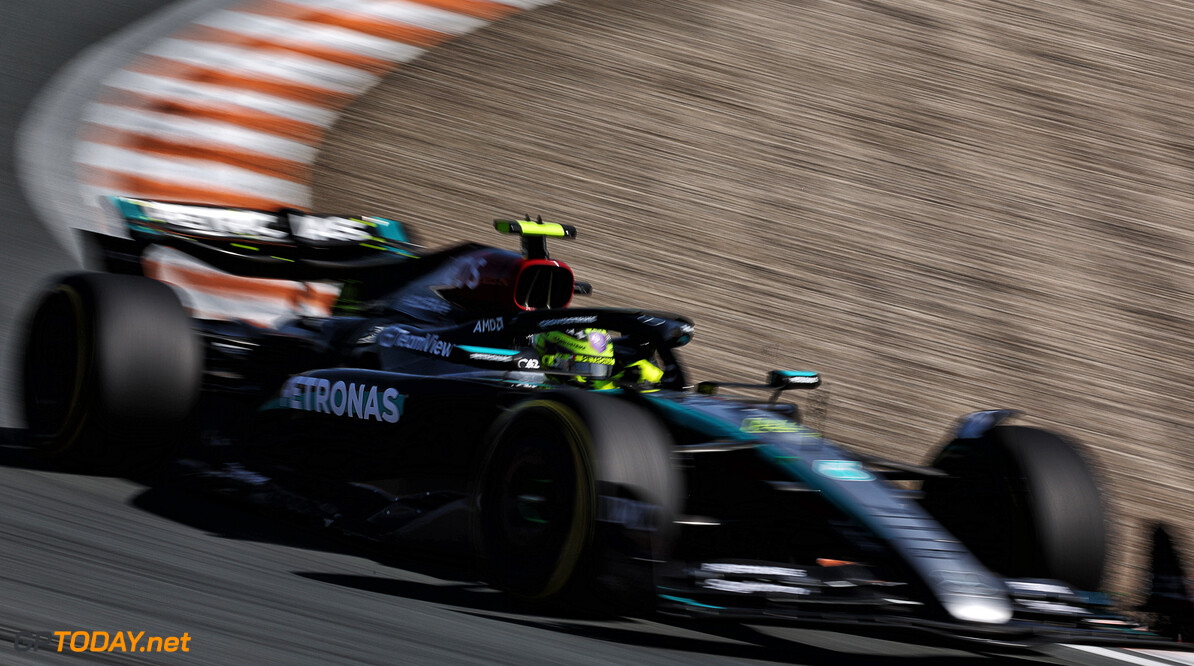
column 424, row 409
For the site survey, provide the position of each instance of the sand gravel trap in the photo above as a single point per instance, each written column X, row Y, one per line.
column 941, row 206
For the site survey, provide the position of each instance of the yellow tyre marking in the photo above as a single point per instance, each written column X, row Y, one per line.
column 581, row 529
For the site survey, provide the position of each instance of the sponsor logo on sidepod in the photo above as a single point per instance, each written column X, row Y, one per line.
column 489, row 325
column 358, row 401
column 396, row 336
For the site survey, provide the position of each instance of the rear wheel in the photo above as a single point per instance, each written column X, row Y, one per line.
column 111, row 367
column 575, row 497
column 1024, row 502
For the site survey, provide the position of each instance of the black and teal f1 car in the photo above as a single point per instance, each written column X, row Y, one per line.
column 417, row 413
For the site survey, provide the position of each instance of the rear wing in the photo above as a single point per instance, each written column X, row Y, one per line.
column 283, row 244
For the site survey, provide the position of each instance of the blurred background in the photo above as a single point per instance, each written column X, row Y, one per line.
column 941, row 207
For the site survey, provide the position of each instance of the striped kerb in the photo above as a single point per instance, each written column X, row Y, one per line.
column 231, row 110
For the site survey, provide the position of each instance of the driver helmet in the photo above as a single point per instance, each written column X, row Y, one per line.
column 585, row 357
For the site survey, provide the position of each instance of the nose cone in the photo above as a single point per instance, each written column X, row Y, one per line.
column 973, row 596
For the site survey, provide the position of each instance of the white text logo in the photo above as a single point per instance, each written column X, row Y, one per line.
column 489, row 325
column 359, row 401
column 400, row 337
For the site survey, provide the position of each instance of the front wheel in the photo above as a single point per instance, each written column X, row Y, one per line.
column 1025, row 502
column 576, row 497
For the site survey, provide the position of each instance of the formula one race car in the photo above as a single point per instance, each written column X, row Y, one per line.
column 452, row 399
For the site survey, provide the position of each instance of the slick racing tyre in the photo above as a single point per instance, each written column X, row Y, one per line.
column 1024, row 502
column 111, row 368
column 576, row 497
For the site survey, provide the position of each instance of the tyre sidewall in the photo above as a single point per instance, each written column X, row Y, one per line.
column 1036, row 495
column 507, row 447
column 624, row 454
column 137, row 377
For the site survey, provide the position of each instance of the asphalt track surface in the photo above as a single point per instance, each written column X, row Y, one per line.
column 89, row 553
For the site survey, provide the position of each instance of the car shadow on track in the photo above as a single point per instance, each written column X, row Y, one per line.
column 458, row 585
column 235, row 520
column 229, row 521
column 738, row 641
column 746, row 642
column 475, row 596
column 16, row 453
column 472, row 595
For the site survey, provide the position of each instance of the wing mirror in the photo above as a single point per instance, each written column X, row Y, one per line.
column 793, row 379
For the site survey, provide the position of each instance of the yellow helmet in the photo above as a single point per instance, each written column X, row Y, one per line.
column 577, row 355
column 585, row 357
